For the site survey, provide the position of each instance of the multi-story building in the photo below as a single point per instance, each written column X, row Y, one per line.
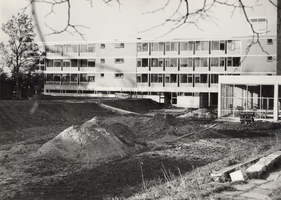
column 184, row 72
column 189, row 72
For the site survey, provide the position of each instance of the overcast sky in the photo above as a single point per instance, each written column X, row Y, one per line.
column 129, row 21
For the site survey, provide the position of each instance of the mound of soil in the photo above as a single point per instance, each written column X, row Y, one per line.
column 89, row 143
column 134, row 105
column 15, row 115
column 201, row 113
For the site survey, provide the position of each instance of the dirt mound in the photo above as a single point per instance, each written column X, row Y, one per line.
column 201, row 113
column 89, row 143
column 134, row 105
column 15, row 115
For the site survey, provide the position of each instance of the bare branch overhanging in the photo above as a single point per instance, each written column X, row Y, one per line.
column 189, row 18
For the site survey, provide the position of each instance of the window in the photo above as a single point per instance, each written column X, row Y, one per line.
column 203, row 78
column 259, row 25
column 65, row 78
column 269, row 41
column 91, row 78
column 119, row 60
column 144, row 78
column 102, row 46
column 57, row 49
column 186, row 46
column 204, row 62
column 154, row 46
column 161, row 62
column 173, row 78
column 222, row 62
column 156, row 78
column 154, row 62
column 190, row 62
column 91, row 63
column 196, row 62
column 183, row 62
column 144, row 62
column 73, row 78
column 83, row 77
column 66, row 63
column 233, row 45
column 49, row 49
column 218, row 45
column 102, row 60
column 269, row 58
column 144, row 47
column 168, row 46
column 167, row 78
column 119, row 75
column 139, row 62
column 183, row 46
column 50, row 77
column 119, row 45
column 236, row 61
column 161, row 46
column 189, row 78
column 83, row 48
column 50, row 63
column 214, row 78
column 57, row 63
column 201, row 45
column 183, row 78
column 197, row 78
column 102, row 75
column 214, row 62
column 233, row 62
column 138, row 78
column 167, row 62
column 66, row 48
column 229, row 62
column 57, row 78
column 74, row 48
column 84, row 63
column 91, row 48
column 74, row 63
column 174, row 46
column 139, row 47
column 174, row 62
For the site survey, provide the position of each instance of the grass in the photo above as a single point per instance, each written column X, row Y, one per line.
column 197, row 184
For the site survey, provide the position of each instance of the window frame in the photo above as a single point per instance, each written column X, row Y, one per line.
column 119, row 60
column 119, row 75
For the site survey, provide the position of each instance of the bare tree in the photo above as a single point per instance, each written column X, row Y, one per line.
column 21, row 53
column 178, row 18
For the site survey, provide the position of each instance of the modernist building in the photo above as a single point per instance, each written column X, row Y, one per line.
column 183, row 72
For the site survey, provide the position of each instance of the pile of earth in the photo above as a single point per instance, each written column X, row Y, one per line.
column 89, row 143
column 134, row 105
column 202, row 113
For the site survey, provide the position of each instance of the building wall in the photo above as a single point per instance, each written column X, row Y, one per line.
column 182, row 67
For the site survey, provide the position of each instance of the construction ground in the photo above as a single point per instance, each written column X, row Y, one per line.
column 79, row 148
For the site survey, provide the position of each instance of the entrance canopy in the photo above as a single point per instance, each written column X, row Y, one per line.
column 258, row 94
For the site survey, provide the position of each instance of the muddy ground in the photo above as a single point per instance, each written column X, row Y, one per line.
column 154, row 132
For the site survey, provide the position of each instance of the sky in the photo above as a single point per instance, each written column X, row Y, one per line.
column 133, row 19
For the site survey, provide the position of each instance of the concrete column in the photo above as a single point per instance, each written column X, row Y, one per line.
column 219, row 100
column 209, row 99
column 275, row 107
